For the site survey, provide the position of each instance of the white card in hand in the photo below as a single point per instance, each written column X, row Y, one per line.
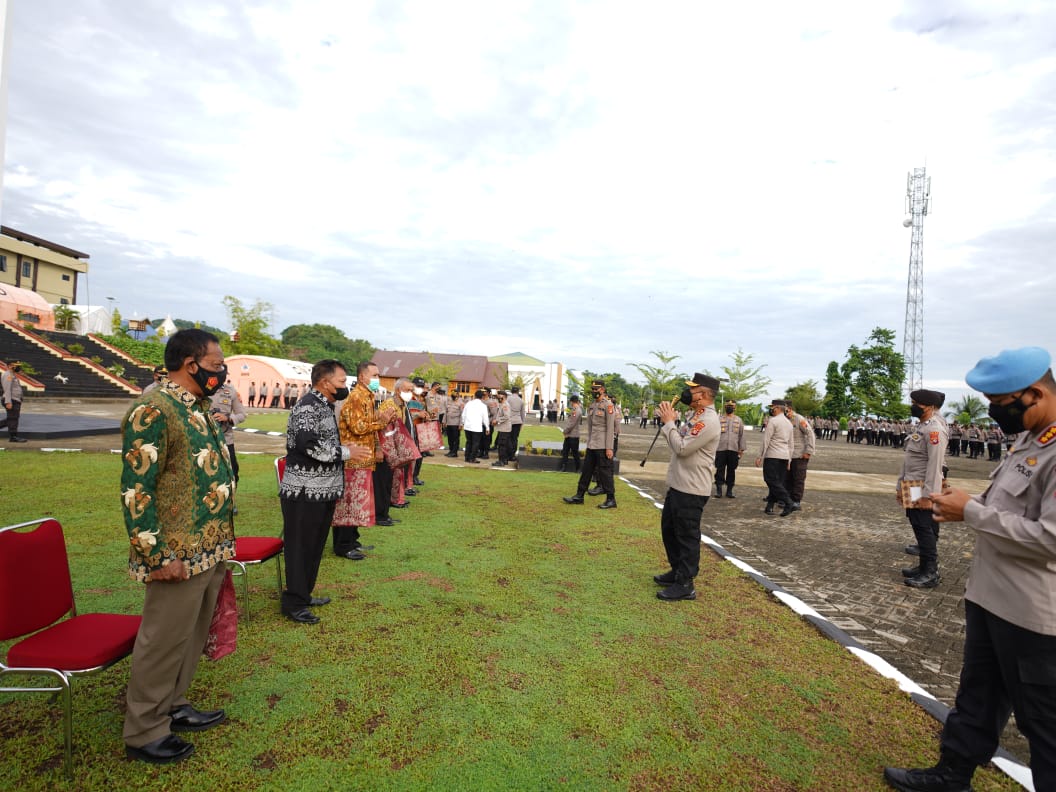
column 915, row 493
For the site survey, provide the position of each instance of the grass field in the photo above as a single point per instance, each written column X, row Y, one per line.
column 495, row 639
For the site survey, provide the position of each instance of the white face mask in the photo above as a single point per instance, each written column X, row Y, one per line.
column 417, row 391
column 405, row 395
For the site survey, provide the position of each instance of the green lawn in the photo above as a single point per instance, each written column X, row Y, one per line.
column 495, row 639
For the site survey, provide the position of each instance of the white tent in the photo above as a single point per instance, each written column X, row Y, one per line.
column 91, row 319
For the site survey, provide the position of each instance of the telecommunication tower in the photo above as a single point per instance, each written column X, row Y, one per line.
column 918, row 196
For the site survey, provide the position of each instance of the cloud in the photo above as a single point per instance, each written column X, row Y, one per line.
column 582, row 181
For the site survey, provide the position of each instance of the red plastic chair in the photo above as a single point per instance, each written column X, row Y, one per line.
column 251, row 550
column 35, row 594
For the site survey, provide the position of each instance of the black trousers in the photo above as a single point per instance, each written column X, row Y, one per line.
column 306, row 524
column 796, row 479
column 680, row 530
column 726, row 468
column 1006, row 668
column 926, row 531
column 473, row 442
column 11, row 421
column 382, row 490
column 595, row 460
column 234, row 460
column 505, row 447
column 454, row 435
column 774, row 472
column 515, row 439
column 570, row 447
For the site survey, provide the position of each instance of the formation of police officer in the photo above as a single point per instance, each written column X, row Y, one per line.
column 731, row 448
column 922, row 473
column 1010, row 611
column 689, row 481
column 601, row 432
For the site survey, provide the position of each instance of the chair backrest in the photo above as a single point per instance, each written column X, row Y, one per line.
column 35, row 587
column 280, row 469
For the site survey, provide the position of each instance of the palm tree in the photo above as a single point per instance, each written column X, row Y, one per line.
column 967, row 411
column 65, row 317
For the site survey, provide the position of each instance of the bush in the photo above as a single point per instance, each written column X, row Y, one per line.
column 75, row 348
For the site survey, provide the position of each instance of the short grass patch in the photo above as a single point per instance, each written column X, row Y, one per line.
column 494, row 639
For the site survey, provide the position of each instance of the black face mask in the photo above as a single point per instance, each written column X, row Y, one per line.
column 687, row 397
column 596, row 394
column 209, row 381
column 916, row 411
column 730, row 410
column 1010, row 416
column 340, row 394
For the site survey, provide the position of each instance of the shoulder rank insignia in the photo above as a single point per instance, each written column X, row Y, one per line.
column 1048, row 435
column 934, row 438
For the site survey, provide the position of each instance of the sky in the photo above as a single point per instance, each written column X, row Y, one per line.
column 585, row 182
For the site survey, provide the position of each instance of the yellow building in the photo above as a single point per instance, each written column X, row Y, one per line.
column 36, row 264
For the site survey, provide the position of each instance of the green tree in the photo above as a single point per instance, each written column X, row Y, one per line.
column 65, row 317
column 968, row 410
column 663, row 381
column 805, row 397
column 314, row 342
column 251, row 324
column 838, row 402
column 115, row 321
column 875, row 374
column 744, row 379
column 435, row 371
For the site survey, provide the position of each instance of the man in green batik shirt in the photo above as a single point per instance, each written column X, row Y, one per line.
column 176, row 493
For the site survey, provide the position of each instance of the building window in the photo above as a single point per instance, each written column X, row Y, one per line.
column 3, row 263
column 65, row 277
column 63, row 301
column 27, row 269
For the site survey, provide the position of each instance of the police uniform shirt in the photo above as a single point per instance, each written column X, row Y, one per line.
column 925, row 453
column 802, row 436
column 777, row 438
column 601, row 424
column 693, row 446
column 226, row 402
column 516, row 408
column 731, row 434
column 571, row 427
column 1013, row 573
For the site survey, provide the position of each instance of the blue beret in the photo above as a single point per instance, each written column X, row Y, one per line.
column 1010, row 371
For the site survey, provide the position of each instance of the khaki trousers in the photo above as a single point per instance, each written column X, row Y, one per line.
column 176, row 618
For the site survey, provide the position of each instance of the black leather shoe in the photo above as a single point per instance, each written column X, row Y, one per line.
column 302, row 616
column 794, row 506
column 911, row 571
column 769, row 508
column 595, row 491
column 318, row 602
column 164, row 750
column 665, row 579
column 718, row 492
column 362, row 547
column 787, row 510
column 418, row 482
column 23, row 440
column 410, row 491
column 399, row 505
column 610, row 503
column 574, row 499
column 187, row 718
column 472, row 461
column 677, row 591
column 729, row 492
column 923, row 580
column 941, row 778
column 912, row 550
column 386, row 522
column 351, row 555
